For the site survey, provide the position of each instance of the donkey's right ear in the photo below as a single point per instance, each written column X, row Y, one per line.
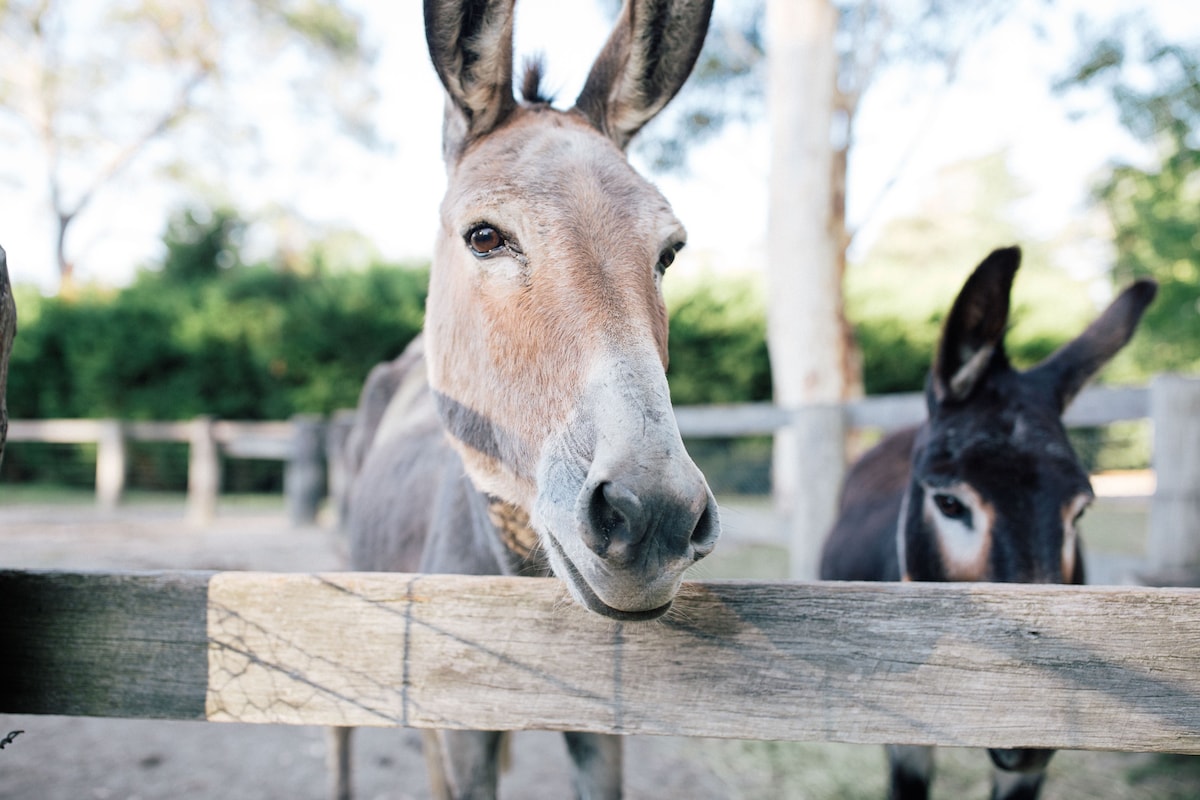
column 1067, row 369
column 645, row 62
column 471, row 45
column 974, row 332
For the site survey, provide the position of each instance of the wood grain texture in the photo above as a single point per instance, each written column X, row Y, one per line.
column 954, row 665
column 103, row 644
column 966, row 664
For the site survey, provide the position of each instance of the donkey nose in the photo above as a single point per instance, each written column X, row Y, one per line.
column 617, row 522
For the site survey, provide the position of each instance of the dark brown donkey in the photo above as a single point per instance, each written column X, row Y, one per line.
column 530, row 430
column 988, row 488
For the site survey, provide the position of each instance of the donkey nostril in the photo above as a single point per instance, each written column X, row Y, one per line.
column 706, row 532
column 613, row 516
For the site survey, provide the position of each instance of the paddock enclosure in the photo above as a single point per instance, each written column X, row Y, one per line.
column 1084, row 668
column 310, row 449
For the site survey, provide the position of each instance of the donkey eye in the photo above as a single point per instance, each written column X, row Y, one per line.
column 667, row 257
column 950, row 506
column 484, row 239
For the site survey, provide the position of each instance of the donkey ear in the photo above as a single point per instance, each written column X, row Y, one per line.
column 471, row 45
column 974, row 331
column 647, row 58
column 1067, row 369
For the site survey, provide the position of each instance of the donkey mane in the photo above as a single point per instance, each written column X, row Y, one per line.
column 531, row 82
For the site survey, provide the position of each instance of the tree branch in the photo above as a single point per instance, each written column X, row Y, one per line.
column 182, row 104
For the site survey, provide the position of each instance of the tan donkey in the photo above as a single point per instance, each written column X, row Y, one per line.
column 530, row 431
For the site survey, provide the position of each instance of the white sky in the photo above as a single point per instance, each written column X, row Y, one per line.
column 1001, row 101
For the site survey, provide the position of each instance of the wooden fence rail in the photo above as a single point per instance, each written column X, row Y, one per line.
column 310, row 447
column 298, row 442
column 984, row 664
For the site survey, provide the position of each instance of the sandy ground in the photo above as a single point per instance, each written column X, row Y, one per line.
column 63, row 758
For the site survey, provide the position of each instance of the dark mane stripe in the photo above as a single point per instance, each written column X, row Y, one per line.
column 531, row 82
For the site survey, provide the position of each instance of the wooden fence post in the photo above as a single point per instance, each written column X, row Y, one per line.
column 110, row 464
column 820, row 437
column 204, row 472
column 1173, row 545
column 335, row 456
column 304, row 473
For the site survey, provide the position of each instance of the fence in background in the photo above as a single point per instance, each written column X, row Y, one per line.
column 310, row 447
column 299, row 443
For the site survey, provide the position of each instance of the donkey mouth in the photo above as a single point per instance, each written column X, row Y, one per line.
column 591, row 601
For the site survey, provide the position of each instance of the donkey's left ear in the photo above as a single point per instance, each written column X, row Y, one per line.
column 470, row 43
column 647, row 58
column 1066, row 370
column 974, row 331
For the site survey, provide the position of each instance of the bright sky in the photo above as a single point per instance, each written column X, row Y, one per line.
column 1001, row 101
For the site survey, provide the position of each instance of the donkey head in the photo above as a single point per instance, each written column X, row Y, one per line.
column 545, row 324
column 996, row 489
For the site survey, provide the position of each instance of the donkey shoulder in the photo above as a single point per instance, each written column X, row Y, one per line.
column 397, row 464
column 862, row 546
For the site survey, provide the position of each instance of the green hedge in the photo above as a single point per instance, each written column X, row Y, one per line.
column 205, row 334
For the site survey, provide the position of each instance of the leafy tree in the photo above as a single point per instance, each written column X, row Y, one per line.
column 718, row 349
column 200, row 243
column 1155, row 210
column 99, row 87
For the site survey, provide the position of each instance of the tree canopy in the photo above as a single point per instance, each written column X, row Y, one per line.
column 94, row 89
column 1154, row 207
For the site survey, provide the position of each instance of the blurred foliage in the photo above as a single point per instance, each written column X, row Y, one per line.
column 718, row 345
column 900, row 292
column 206, row 335
column 1154, row 210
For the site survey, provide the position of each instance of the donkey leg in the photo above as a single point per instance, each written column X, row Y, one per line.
column 1019, row 773
column 1016, row 785
column 463, row 765
column 910, row 770
column 597, row 759
column 338, row 762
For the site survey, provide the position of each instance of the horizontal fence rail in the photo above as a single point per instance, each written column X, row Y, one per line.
column 298, row 442
column 983, row 665
column 1095, row 406
column 804, row 488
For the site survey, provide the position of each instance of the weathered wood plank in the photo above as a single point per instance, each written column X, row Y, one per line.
column 131, row 645
column 733, row 419
column 966, row 664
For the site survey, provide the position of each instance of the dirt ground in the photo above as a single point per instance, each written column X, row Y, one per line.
column 63, row 758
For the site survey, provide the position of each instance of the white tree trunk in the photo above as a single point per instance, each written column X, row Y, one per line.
column 804, row 329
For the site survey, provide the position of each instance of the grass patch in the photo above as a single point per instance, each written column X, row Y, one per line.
column 46, row 494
